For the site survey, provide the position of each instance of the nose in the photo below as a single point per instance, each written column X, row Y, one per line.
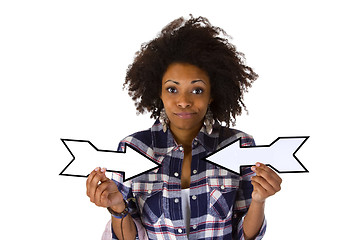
column 184, row 101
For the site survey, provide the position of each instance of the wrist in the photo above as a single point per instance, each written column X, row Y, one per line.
column 258, row 203
column 119, row 214
column 119, row 207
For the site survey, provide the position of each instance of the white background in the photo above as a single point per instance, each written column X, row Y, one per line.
column 62, row 66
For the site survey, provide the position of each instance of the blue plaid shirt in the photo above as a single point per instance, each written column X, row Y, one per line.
column 219, row 199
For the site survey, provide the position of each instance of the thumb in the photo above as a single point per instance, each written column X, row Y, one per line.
column 103, row 177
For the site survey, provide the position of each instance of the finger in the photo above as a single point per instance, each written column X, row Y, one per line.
column 258, row 188
column 104, row 198
column 264, row 184
column 108, row 194
column 101, row 193
column 89, row 180
column 269, row 170
column 269, row 175
column 94, row 183
column 101, row 187
column 269, row 178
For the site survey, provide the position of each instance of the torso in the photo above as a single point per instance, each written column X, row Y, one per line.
column 186, row 169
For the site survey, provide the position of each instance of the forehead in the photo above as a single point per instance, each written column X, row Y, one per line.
column 185, row 72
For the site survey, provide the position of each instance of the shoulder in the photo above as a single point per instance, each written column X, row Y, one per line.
column 229, row 135
column 140, row 139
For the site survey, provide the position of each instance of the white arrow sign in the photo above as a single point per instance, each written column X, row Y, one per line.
column 280, row 155
column 86, row 157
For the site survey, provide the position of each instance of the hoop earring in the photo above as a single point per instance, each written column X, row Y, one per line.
column 209, row 121
column 164, row 120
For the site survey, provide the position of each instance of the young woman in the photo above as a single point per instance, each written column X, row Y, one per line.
column 191, row 79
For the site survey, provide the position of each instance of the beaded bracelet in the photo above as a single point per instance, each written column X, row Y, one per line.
column 119, row 215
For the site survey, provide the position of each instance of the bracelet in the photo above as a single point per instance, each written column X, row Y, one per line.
column 119, row 215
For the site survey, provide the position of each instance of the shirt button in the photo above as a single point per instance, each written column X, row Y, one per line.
column 176, row 200
column 149, row 191
column 194, row 171
column 194, row 197
column 222, row 187
column 179, row 230
column 194, row 226
column 176, row 174
column 181, row 148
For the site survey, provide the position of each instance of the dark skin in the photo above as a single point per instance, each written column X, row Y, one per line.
column 103, row 192
column 186, row 96
column 186, row 169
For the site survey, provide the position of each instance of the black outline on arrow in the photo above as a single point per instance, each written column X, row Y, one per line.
column 242, row 166
column 121, row 172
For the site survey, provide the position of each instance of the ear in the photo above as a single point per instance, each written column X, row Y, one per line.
column 210, row 101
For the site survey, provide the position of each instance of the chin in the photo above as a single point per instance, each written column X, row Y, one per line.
column 187, row 125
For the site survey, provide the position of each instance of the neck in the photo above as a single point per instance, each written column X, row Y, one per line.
column 185, row 136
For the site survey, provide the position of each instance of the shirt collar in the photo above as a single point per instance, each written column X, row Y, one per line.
column 164, row 142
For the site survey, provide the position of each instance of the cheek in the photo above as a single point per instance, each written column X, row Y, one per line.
column 204, row 110
column 206, row 102
column 203, row 107
column 166, row 102
column 164, row 98
column 168, row 107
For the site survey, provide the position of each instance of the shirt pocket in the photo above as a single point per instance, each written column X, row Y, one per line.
column 222, row 193
column 149, row 197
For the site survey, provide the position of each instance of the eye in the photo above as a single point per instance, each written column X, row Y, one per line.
column 171, row 90
column 197, row 91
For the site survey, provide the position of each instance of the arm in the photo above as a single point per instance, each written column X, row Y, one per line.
column 123, row 228
column 253, row 220
column 266, row 183
column 106, row 194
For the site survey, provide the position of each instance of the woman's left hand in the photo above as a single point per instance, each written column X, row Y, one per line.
column 266, row 182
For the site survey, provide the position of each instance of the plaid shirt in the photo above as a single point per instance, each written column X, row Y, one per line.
column 219, row 199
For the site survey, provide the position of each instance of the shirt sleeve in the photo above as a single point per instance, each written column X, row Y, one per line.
column 126, row 191
column 243, row 199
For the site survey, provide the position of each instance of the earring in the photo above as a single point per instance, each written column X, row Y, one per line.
column 209, row 121
column 164, row 120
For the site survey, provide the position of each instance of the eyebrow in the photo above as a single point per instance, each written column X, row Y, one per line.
column 192, row 82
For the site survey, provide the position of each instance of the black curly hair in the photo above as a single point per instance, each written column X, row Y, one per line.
column 197, row 42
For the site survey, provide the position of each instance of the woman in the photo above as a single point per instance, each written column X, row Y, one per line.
column 190, row 78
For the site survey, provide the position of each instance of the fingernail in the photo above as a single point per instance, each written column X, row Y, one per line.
column 97, row 169
column 103, row 169
column 258, row 164
column 253, row 168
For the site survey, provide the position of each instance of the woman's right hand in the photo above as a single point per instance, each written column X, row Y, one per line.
column 103, row 191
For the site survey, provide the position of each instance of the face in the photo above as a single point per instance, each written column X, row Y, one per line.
column 186, row 96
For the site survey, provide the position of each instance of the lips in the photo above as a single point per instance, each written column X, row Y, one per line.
column 185, row 115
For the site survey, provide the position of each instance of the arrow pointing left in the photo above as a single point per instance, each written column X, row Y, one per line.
column 86, row 157
column 280, row 155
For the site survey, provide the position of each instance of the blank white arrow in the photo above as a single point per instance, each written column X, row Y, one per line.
column 280, row 155
column 86, row 157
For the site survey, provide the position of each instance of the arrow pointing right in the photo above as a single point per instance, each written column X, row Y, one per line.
column 86, row 157
column 280, row 155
